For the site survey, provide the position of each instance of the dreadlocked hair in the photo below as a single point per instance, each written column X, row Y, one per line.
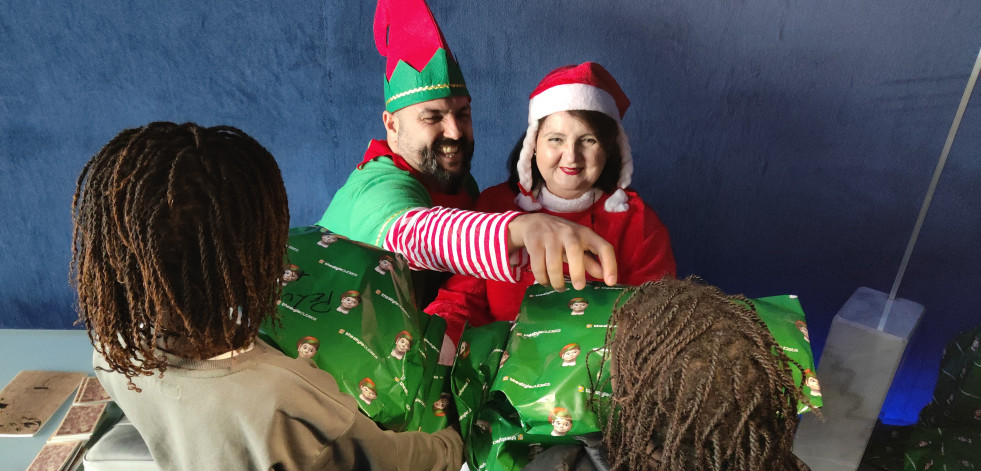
column 178, row 241
column 698, row 383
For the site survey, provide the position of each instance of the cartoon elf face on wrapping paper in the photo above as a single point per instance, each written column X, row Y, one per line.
column 307, row 347
column 368, row 391
column 561, row 421
column 403, row 342
column 292, row 273
column 812, row 382
column 349, row 300
column 802, row 327
column 578, row 306
column 327, row 239
column 439, row 407
column 483, row 425
column 569, row 353
column 385, row 264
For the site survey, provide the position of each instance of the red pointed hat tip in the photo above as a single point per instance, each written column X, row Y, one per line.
column 406, row 30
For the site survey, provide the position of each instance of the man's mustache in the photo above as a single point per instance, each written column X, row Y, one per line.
column 443, row 141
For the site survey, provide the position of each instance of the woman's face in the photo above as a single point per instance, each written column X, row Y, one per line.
column 570, row 157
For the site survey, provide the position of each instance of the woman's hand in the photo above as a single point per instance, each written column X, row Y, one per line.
column 552, row 241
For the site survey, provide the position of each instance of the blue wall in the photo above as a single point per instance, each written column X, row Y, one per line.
column 786, row 144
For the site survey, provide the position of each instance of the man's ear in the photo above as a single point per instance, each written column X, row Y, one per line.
column 391, row 130
column 391, row 123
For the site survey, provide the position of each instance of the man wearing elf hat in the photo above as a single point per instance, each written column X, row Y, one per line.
column 411, row 192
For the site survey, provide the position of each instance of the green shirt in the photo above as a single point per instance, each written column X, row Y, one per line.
column 374, row 197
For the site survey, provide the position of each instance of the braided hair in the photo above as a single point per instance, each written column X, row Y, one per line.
column 178, row 241
column 698, row 383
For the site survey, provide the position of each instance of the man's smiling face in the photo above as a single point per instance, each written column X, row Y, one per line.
column 436, row 138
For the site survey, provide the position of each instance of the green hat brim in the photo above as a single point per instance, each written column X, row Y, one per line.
column 440, row 78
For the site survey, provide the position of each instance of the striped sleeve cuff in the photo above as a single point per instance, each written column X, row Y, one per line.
column 458, row 241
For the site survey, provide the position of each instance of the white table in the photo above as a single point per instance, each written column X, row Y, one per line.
column 55, row 350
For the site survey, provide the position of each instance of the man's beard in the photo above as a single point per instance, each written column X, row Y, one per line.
column 448, row 181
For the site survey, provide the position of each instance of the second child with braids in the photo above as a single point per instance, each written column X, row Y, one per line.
column 174, row 280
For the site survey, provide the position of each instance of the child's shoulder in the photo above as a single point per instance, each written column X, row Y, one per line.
column 298, row 374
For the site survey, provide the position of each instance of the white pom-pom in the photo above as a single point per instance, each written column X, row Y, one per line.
column 526, row 202
column 617, row 202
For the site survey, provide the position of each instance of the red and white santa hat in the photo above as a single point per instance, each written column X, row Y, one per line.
column 587, row 86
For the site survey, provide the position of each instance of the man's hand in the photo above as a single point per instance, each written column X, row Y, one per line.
column 550, row 241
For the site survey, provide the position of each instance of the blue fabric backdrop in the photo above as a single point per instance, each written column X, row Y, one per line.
column 786, row 144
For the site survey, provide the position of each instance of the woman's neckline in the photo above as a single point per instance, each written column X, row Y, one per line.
column 557, row 204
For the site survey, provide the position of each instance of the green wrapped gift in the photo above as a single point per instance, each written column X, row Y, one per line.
column 540, row 383
column 557, row 340
column 540, row 395
column 348, row 308
column 784, row 318
column 478, row 359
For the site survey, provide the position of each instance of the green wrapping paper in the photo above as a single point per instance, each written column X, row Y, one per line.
column 540, row 383
column 498, row 440
column 352, row 305
column 948, row 434
column 539, row 386
column 784, row 318
column 478, row 359
column 557, row 340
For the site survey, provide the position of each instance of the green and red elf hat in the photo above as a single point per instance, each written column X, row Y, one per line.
column 367, row 382
column 404, row 335
column 571, row 346
column 589, row 87
column 419, row 64
column 559, row 413
column 310, row 340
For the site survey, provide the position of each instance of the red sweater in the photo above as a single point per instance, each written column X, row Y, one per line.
column 641, row 242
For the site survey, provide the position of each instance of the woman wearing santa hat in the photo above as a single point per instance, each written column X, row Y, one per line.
column 573, row 162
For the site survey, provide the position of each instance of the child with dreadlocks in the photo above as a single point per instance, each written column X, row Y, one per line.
column 178, row 244
column 698, row 383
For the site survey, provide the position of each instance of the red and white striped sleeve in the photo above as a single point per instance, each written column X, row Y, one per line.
column 454, row 240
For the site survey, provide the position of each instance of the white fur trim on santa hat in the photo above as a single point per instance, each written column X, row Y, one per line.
column 525, row 199
column 572, row 96
column 527, row 202
column 626, row 159
column 617, row 202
